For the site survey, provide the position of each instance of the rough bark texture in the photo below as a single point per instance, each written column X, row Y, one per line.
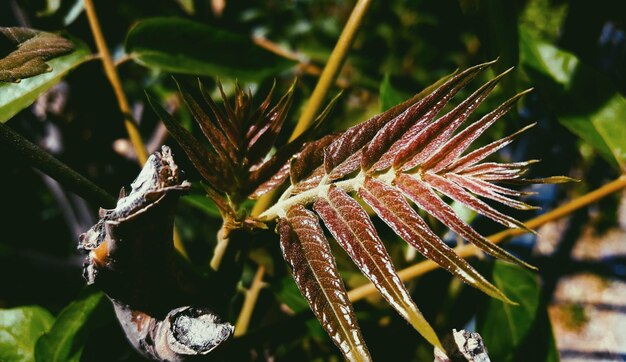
column 163, row 307
column 462, row 346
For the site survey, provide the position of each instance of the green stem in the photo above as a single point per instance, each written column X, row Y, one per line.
column 54, row 168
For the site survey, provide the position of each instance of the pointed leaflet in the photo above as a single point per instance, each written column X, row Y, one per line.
column 206, row 163
column 381, row 150
column 425, row 198
column 353, row 229
column 265, row 137
column 311, row 157
column 354, row 138
column 480, row 154
column 276, row 180
column 490, row 191
column 495, row 171
column 461, row 141
column 426, row 141
column 313, row 266
column 256, row 121
column 270, row 167
column 221, row 145
column 457, row 193
column 226, row 124
column 393, row 209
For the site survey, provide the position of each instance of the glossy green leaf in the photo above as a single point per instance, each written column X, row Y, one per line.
column 67, row 337
column 16, row 96
column 184, row 46
column 388, row 95
column 584, row 101
column 506, row 328
column 202, row 203
column 19, row 330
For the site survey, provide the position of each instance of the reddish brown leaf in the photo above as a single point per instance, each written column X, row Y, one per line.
column 414, row 118
column 395, row 211
column 270, row 167
column 433, row 136
column 491, row 191
column 480, row 154
column 226, row 124
column 425, row 198
column 218, row 140
column 257, row 123
column 276, row 180
column 496, row 171
column 206, row 163
column 461, row 141
column 353, row 229
column 354, row 138
column 311, row 157
column 313, row 266
column 263, row 139
column 459, row 194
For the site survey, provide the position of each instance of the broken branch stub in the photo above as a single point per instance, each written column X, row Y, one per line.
column 162, row 306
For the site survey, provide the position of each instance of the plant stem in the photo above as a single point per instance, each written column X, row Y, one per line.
column 54, row 168
column 468, row 250
column 252, row 295
column 116, row 84
column 332, row 68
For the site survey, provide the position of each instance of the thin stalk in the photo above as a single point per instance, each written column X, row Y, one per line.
column 54, row 168
column 469, row 250
column 332, row 68
column 111, row 72
column 249, row 302
column 116, row 84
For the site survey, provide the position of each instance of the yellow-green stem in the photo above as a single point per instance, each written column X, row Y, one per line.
column 252, row 295
column 332, row 68
column 468, row 250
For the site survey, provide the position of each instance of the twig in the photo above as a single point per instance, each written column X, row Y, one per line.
column 335, row 61
column 468, row 250
column 114, row 79
column 249, row 302
column 54, row 168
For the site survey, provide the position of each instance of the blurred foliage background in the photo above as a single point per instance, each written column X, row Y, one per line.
column 572, row 52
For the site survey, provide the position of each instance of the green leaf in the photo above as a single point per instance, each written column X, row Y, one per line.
column 202, row 203
column 584, row 101
column 511, row 331
column 184, row 46
column 389, row 96
column 15, row 97
column 19, row 330
column 68, row 335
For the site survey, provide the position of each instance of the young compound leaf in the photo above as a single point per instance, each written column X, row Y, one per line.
column 20, row 328
column 354, row 231
column 307, row 251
